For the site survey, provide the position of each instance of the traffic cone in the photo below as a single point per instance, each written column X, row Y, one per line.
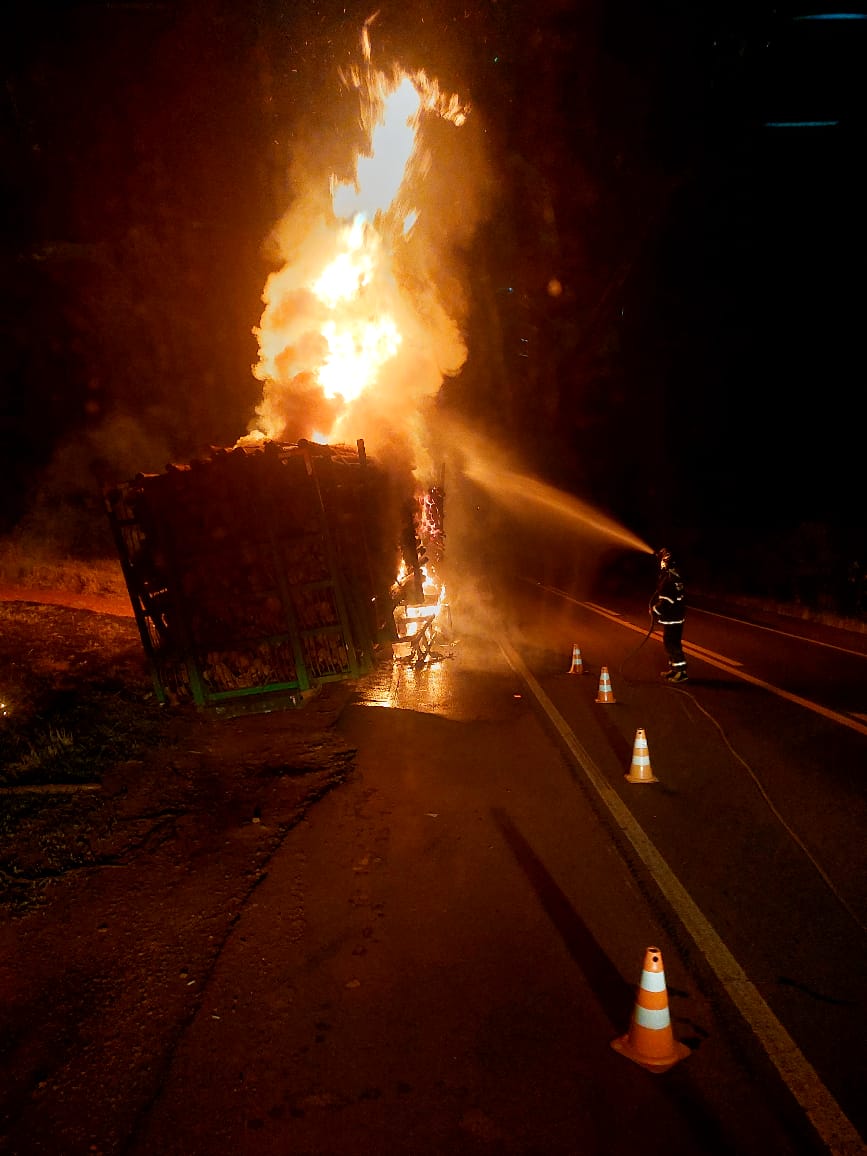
column 640, row 771
column 650, row 1041
column 605, row 692
column 577, row 665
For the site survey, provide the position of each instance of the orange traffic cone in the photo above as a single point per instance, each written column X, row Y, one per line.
column 650, row 1041
column 640, row 771
column 605, row 692
column 577, row 665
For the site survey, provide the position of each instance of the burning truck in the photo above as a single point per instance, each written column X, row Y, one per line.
column 260, row 573
column 288, row 559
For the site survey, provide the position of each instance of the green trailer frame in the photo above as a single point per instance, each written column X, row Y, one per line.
column 250, row 572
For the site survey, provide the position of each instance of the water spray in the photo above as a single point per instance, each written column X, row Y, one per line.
column 523, row 489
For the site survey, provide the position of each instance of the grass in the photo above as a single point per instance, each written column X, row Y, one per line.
column 54, row 745
column 77, row 702
column 77, row 694
column 37, row 566
column 74, row 686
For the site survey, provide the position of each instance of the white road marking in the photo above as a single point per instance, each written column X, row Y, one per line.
column 615, row 617
column 701, row 652
column 783, row 633
column 833, row 1126
column 732, row 666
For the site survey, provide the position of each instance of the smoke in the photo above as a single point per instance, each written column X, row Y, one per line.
column 65, row 515
column 500, row 475
column 505, row 525
column 363, row 321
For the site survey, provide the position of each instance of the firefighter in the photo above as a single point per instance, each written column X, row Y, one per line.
column 668, row 606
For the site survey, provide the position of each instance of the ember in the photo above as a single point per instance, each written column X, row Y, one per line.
column 421, row 612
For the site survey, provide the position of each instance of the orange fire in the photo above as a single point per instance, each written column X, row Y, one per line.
column 353, row 335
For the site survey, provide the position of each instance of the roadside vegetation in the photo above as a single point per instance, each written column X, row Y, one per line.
column 74, row 684
column 77, row 700
column 27, row 561
column 76, row 694
column 93, row 769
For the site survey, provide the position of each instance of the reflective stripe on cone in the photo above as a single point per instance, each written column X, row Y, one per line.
column 640, row 771
column 606, row 694
column 650, row 1041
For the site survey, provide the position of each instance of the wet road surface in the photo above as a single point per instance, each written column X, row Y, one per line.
column 441, row 955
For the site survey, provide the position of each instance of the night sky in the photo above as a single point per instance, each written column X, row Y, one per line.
column 699, row 375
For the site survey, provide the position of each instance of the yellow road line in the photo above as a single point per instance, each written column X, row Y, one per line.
column 731, row 666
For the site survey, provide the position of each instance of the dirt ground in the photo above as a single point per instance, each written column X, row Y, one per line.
column 131, row 837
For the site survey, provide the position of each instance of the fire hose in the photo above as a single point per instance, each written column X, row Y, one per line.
column 633, row 653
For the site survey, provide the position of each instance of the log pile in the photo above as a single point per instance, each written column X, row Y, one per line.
column 258, row 569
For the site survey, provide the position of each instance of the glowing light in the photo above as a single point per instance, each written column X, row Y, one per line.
column 351, row 271
column 380, row 175
column 355, row 356
column 343, row 320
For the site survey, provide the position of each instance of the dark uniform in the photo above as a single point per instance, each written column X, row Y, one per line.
column 668, row 607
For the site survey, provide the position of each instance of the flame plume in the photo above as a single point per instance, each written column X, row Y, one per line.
column 354, row 336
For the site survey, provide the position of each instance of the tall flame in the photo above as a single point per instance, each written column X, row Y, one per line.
column 350, row 330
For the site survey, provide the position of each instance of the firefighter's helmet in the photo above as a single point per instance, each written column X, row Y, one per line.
column 663, row 556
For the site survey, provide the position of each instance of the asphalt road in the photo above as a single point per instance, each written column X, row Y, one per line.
column 757, row 816
column 464, row 922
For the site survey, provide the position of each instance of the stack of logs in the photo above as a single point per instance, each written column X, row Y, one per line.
column 258, row 570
